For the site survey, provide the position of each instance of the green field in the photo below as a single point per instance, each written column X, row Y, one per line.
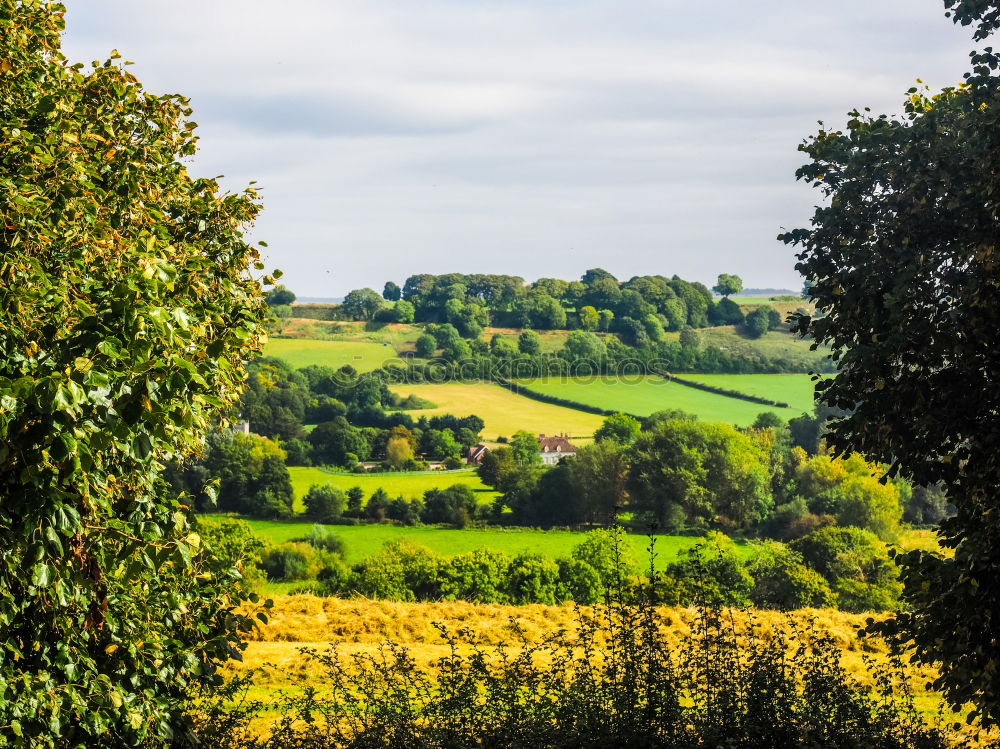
column 642, row 396
column 774, row 345
column 503, row 412
column 794, row 389
column 361, row 541
column 363, row 356
column 409, row 485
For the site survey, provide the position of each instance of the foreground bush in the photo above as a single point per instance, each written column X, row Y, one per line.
column 611, row 680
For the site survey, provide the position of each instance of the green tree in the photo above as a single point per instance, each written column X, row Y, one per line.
column 402, row 312
column 620, row 428
column 324, row 503
column 783, row 581
column 904, row 271
column 583, row 346
column 362, row 304
column 279, row 296
column 128, row 315
column 545, row 313
column 609, row 553
column 524, row 449
column 426, row 346
column 391, row 292
column 728, row 284
column 694, row 471
column 589, row 319
column 529, row 343
column 757, row 323
column 333, row 441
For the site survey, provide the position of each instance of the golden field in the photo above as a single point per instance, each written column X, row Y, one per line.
column 361, row 625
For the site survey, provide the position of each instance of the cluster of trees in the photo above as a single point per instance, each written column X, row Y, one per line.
column 675, row 472
column 350, row 418
column 844, row 568
column 455, row 505
column 596, row 302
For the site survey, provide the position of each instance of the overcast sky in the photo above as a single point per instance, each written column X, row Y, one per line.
column 530, row 137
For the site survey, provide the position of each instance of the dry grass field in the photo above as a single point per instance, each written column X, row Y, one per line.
column 360, row 625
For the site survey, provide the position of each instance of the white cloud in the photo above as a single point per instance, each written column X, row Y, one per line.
column 539, row 137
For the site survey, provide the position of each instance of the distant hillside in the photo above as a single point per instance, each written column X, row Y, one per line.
column 770, row 292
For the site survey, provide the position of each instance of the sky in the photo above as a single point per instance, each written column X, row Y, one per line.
column 528, row 137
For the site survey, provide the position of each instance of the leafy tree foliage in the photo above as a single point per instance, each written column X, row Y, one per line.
column 391, row 292
column 426, row 346
column 529, row 343
column 620, row 428
column 757, row 323
column 904, row 270
column 728, row 284
column 689, row 471
column 324, row 503
column 279, row 296
column 128, row 313
column 362, row 304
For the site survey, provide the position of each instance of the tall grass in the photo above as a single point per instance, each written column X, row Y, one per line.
column 611, row 678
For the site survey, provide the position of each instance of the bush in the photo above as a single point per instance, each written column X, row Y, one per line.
column 324, row 539
column 757, row 323
column 231, row 543
column 534, row 579
column 609, row 554
column 782, row 581
column 711, row 573
column 324, row 503
column 401, row 571
column 481, row 575
column 578, row 582
column 292, row 561
column 611, row 680
column 855, row 564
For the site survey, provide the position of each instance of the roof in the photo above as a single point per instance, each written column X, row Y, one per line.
column 477, row 451
column 558, row 444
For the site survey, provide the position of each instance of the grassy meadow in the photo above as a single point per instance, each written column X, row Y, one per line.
column 642, row 396
column 776, row 344
column 363, row 356
column 794, row 389
column 361, row 541
column 409, row 484
column 503, row 411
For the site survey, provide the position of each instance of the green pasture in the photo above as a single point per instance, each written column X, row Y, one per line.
column 794, row 389
column 503, row 411
column 363, row 356
column 362, row 541
column 644, row 395
column 551, row 341
column 776, row 344
column 408, row 484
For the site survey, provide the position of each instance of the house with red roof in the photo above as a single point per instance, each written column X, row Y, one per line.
column 554, row 449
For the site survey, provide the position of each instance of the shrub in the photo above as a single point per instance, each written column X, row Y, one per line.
column 533, row 579
column 481, row 575
column 324, row 539
column 855, row 564
column 324, row 503
column 711, row 573
column 401, row 571
column 232, row 544
column 782, row 581
column 578, row 582
column 609, row 681
column 608, row 554
column 292, row 561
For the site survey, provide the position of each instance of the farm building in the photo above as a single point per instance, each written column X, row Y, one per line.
column 476, row 454
column 554, row 449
